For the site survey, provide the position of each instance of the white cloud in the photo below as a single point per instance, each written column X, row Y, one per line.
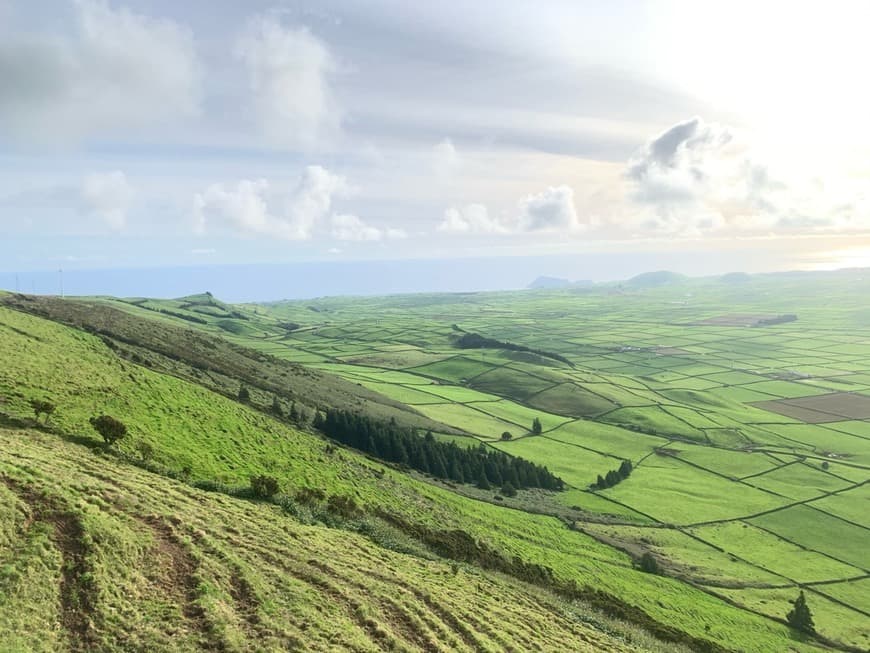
column 289, row 71
column 471, row 219
column 698, row 177
column 550, row 210
column 350, row 227
column 256, row 207
column 121, row 70
column 445, row 158
column 108, row 196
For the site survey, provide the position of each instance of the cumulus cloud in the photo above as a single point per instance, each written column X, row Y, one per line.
column 120, row 70
column 698, row 177
column 108, row 196
column 260, row 208
column 550, row 210
column 255, row 207
column 471, row 219
column 289, row 72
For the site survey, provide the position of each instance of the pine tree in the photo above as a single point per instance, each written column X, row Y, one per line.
column 244, row 394
column 536, row 426
column 601, row 484
column 800, row 618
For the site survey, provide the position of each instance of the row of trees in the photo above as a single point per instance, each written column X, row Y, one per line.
column 481, row 465
column 614, row 476
column 476, row 341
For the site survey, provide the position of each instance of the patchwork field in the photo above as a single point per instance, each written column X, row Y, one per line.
column 748, row 435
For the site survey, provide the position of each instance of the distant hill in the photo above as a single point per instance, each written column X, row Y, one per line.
column 735, row 277
column 545, row 283
column 655, row 279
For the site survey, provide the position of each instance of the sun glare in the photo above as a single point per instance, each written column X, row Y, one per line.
column 850, row 257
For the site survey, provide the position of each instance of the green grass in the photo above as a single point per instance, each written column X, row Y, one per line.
column 678, row 396
column 821, row 532
column 677, row 493
column 468, row 419
column 767, row 551
column 799, row 482
column 175, row 569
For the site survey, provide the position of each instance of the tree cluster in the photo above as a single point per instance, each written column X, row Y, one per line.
column 614, row 476
column 41, row 407
column 481, row 465
column 477, row 341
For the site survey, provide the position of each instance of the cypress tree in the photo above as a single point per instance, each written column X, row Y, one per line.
column 800, row 618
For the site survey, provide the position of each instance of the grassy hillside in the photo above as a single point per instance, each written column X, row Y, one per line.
column 712, row 591
column 166, row 343
column 101, row 556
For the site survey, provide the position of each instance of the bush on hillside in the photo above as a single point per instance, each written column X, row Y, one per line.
column 264, row 487
column 109, row 428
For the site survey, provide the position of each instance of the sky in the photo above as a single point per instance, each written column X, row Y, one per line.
column 701, row 136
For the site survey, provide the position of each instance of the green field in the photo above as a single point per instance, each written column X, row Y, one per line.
column 741, row 505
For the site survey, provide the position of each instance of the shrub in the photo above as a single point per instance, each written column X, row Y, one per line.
column 506, row 435
column 109, row 428
column 508, row 490
column 244, row 394
column 264, row 487
column 342, row 505
column 146, row 451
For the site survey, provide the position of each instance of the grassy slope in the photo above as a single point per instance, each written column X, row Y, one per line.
column 219, row 438
column 101, row 556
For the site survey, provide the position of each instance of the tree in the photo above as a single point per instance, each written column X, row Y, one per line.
column 244, row 394
column 506, row 435
column 648, row 563
column 601, row 483
column 800, row 618
column 508, row 490
column 483, row 481
column 536, row 427
column 41, row 407
column 294, row 412
column 109, row 428
column 276, row 407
